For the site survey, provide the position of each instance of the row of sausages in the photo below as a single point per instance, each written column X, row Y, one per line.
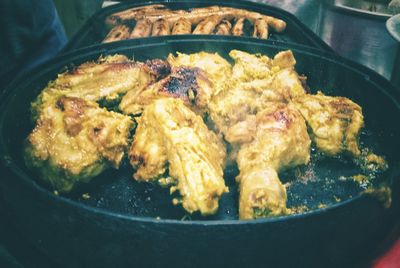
column 156, row 20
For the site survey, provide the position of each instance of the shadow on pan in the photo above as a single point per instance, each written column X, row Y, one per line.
column 117, row 225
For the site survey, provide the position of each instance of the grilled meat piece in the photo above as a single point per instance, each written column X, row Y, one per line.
column 107, row 79
column 260, row 29
column 170, row 137
column 237, row 29
column 206, row 19
column 279, row 141
column 335, row 122
column 189, row 84
column 160, row 27
column 119, row 32
column 182, row 26
column 74, row 140
column 207, row 26
column 142, row 28
column 256, row 81
column 130, row 14
column 224, row 28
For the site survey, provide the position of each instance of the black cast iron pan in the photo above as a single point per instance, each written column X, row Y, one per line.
column 118, row 224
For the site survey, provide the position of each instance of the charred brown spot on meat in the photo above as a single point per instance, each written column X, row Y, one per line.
column 97, row 130
column 73, row 109
column 303, row 81
column 282, row 117
column 137, row 159
column 118, row 66
column 342, row 107
column 60, row 105
column 183, row 84
column 159, row 68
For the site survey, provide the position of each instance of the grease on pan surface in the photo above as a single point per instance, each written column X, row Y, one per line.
column 157, row 20
column 196, row 115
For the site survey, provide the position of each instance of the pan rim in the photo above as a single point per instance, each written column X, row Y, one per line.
column 112, row 48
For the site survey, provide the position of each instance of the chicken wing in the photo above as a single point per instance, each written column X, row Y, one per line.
column 107, row 79
column 75, row 140
column 335, row 122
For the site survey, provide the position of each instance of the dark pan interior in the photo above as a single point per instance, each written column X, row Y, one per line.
column 95, row 29
column 318, row 184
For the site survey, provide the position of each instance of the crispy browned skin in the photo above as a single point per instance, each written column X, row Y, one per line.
column 207, row 26
column 170, row 137
column 217, row 68
column 119, row 32
column 182, row 26
column 188, row 84
column 142, row 28
column 260, row 29
column 160, row 27
column 237, row 29
column 108, row 78
column 224, row 28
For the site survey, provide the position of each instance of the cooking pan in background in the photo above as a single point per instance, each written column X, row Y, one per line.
column 356, row 29
column 118, row 224
column 95, row 29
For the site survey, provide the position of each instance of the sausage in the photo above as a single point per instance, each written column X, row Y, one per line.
column 277, row 25
column 182, row 26
column 260, row 29
column 132, row 13
column 237, row 29
column 119, row 32
column 160, row 27
column 208, row 25
column 194, row 16
column 224, row 28
column 142, row 29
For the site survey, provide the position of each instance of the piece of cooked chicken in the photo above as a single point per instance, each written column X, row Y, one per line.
column 335, row 122
column 189, row 84
column 271, row 141
column 107, row 79
column 75, row 140
column 173, row 144
column 256, row 81
column 260, row 73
